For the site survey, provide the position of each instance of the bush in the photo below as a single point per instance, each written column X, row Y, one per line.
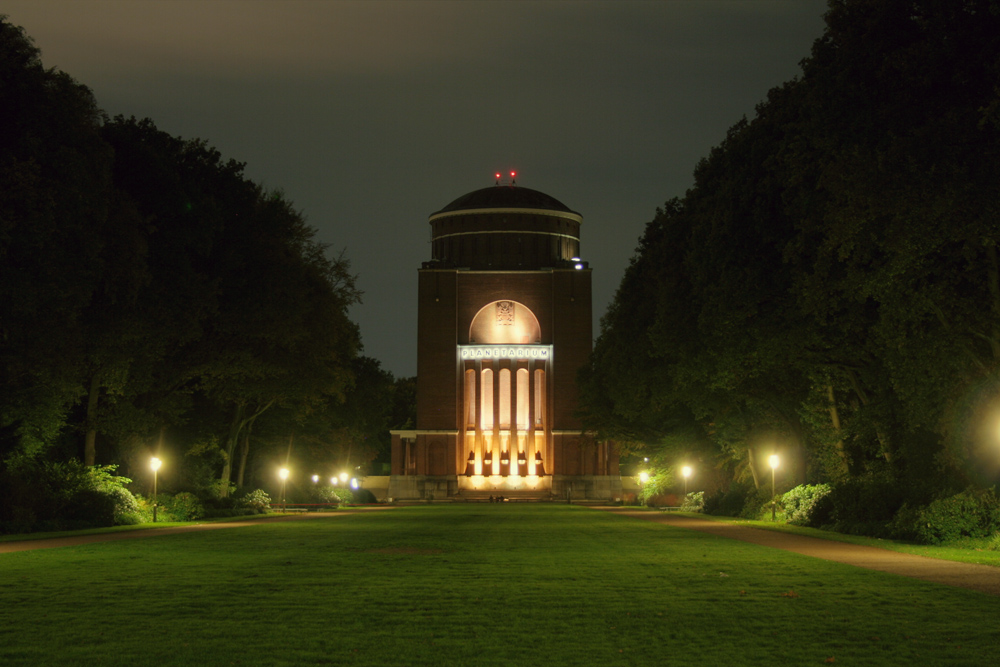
column 40, row 495
column 364, row 497
column 129, row 519
column 211, row 503
column 741, row 499
column 89, row 508
column 256, row 500
column 800, row 502
column 221, row 490
column 344, row 496
column 972, row 513
column 182, row 507
column 693, row 502
column 865, row 505
column 726, row 502
column 904, row 524
column 126, row 506
column 326, row 494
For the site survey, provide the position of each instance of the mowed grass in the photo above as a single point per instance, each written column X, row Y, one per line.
column 473, row 585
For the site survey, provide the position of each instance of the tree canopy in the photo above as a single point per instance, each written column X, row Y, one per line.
column 828, row 288
column 152, row 295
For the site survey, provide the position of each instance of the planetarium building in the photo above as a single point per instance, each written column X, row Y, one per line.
column 504, row 324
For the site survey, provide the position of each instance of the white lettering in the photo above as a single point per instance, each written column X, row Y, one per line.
column 513, row 352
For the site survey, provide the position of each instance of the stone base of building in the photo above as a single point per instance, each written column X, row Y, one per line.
column 587, row 487
column 422, row 487
column 430, row 488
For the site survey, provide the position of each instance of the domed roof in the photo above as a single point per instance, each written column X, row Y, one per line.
column 506, row 196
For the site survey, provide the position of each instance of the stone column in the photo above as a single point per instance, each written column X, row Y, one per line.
column 514, row 444
column 531, row 415
column 478, row 368
column 496, row 414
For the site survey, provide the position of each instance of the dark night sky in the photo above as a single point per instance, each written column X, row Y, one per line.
column 370, row 116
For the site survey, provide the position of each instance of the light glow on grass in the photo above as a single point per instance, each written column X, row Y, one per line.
column 452, row 584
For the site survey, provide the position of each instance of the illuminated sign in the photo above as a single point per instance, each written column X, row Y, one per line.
column 505, row 351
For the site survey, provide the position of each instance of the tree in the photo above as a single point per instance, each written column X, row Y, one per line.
column 54, row 199
column 831, row 278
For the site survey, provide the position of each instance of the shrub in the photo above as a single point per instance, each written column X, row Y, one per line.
column 726, row 502
column 182, row 507
column 325, row 494
column 800, row 502
column 904, row 524
column 126, row 506
column 89, row 508
column 213, row 503
column 345, row 496
column 364, row 497
column 757, row 503
column 865, row 505
column 19, row 520
column 972, row 513
column 741, row 499
column 256, row 500
column 693, row 502
column 129, row 519
column 221, row 490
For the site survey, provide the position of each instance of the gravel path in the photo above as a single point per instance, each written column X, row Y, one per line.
column 77, row 540
column 982, row 578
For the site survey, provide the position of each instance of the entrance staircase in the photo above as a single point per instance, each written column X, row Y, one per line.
column 513, row 496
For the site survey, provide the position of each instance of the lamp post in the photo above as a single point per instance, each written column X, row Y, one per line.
column 155, row 464
column 283, row 474
column 686, row 472
column 773, row 460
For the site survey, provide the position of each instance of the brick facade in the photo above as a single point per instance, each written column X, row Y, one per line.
column 496, row 402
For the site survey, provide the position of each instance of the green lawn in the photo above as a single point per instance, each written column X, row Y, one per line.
column 473, row 585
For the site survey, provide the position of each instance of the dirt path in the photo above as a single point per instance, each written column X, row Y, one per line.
column 982, row 578
column 77, row 540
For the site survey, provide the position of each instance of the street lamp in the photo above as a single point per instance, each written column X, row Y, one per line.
column 315, row 478
column 283, row 474
column 643, row 478
column 343, row 477
column 155, row 464
column 773, row 461
column 686, row 472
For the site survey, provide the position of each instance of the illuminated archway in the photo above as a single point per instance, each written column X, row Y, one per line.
column 505, row 322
